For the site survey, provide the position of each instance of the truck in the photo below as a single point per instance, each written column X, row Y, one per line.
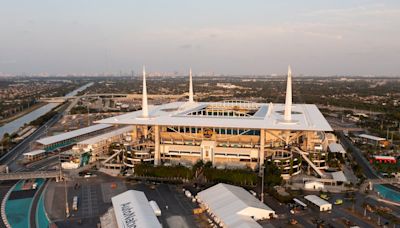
column 155, row 207
column 75, row 203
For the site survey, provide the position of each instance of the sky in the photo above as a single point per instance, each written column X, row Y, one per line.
column 316, row 37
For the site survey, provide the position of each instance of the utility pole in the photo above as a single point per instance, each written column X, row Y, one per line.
column 66, row 189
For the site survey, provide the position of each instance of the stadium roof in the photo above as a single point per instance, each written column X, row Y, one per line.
column 266, row 116
column 72, row 134
column 106, row 136
column 234, row 206
column 132, row 209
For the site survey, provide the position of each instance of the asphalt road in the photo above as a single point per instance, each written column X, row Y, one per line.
column 11, row 157
column 369, row 172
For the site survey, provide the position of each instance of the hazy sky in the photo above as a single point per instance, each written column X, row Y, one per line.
column 317, row 37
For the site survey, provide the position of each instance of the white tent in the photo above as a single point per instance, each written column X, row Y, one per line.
column 233, row 206
column 132, row 209
column 321, row 203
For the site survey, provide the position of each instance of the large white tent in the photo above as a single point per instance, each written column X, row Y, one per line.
column 322, row 204
column 132, row 209
column 233, row 206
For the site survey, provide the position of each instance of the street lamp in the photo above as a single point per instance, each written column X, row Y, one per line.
column 262, row 183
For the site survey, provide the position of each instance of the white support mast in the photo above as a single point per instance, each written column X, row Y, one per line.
column 191, row 100
column 145, row 108
column 288, row 101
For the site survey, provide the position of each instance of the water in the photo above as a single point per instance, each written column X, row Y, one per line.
column 387, row 193
column 14, row 125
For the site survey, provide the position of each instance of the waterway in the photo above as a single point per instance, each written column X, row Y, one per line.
column 14, row 125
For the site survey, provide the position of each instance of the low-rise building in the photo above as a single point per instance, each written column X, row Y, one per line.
column 322, row 204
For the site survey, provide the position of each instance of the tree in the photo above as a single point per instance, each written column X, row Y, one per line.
column 272, row 175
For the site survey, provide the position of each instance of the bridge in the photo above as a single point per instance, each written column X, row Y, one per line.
column 109, row 95
column 30, row 175
column 385, row 181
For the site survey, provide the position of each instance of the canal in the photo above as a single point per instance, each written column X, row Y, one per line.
column 14, row 125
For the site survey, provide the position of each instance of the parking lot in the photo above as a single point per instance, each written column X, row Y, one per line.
column 94, row 194
column 176, row 208
column 339, row 217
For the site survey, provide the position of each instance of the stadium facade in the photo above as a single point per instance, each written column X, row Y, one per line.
column 230, row 134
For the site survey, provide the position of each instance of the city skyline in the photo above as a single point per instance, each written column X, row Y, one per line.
column 230, row 38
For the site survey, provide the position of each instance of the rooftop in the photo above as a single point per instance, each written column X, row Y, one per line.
column 106, row 136
column 229, row 203
column 229, row 115
column 132, row 209
column 72, row 134
column 34, row 152
column 316, row 200
column 371, row 137
column 336, row 148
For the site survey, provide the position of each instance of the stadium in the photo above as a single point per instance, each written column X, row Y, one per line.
column 229, row 134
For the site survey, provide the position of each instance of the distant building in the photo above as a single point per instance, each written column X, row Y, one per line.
column 373, row 140
column 384, row 159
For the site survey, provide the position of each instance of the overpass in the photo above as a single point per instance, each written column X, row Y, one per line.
column 30, row 175
column 110, row 95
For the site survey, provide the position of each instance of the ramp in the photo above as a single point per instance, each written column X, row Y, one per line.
column 304, row 155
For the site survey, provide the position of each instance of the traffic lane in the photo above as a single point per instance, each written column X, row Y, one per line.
column 11, row 157
column 367, row 169
column 43, row 164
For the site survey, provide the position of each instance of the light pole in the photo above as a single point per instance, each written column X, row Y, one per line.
column 65, row 188
column 262, row 183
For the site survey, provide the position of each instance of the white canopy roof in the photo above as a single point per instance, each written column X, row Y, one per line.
column 336, row 148
column 234, row 206
column 107, row 135
column 34, row 152
column 267, row 116
column 317, row 200
column 72, row 134
column 132, row 209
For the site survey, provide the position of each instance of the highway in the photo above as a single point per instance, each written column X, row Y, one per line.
column 10, row 158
